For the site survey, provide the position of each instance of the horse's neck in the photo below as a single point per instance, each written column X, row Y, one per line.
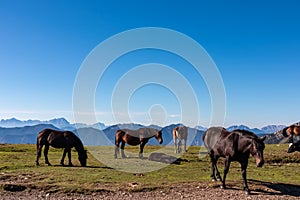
column 78, row 145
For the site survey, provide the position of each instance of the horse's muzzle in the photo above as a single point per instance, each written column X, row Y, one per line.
column 260, row 164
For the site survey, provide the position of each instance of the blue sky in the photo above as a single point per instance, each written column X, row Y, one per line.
column 254, row 44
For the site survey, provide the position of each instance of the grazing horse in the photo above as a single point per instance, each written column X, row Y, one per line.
column 180, row 133
column 135, row 137
column 290, row 131
column 236, row 145
column 294, row 147
column 60, row 139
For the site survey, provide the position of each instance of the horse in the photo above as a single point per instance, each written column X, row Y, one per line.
column 60, row 139
column 135, row 137
column 294, row 147
column 290, row 131
column 237, row 146
column 180, row 133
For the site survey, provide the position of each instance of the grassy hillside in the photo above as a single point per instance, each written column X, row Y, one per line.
column 17, row 166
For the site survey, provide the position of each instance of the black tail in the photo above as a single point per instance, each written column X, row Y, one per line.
column 284, row 132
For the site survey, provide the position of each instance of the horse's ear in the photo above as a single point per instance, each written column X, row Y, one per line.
column 263, row 138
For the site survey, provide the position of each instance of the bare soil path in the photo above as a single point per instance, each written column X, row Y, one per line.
column 259, row 190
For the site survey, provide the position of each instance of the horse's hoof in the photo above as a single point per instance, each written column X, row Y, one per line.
column 223, row 187
column 213, row 180
column 48, row 164
column 219, row 179
column 247, row 192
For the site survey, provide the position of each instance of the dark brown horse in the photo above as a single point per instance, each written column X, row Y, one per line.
column 294, row 147
column 291, row 131
column 234, row 146
column 180, row 133
column 60, row 139
column 135, row 137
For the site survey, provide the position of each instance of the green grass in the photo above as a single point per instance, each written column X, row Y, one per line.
column 17, row 165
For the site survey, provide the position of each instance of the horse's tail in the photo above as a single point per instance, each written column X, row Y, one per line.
column 39, row 146
column 118, row 137
column 284, row 133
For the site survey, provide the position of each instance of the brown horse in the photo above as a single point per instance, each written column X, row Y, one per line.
column 60, row 139
column 180, row 133
column 135, row 137
column 290, row 131
column 234, row 146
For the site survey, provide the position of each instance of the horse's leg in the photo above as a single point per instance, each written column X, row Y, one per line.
column 38, row 153
column 46, row 149
column 175, row 146
column 179, row 146
column 226, row 170
column 213, row 178
column 63, row 157
column 122, row 149
column 244, row 175
column 185, row 145
column 69, row 156
column 216, row 168
column 142, row 145
column 117, row 149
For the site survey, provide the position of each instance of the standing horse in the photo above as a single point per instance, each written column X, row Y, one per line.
column 60, row 139
column 135, row 137
column 180, row 133
column 290, row 131
column 234, row 146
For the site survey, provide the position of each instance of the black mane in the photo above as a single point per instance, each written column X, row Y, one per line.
column 246, row 133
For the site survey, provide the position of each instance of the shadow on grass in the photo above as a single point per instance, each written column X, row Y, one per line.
column 89, row 166
column 278, row 188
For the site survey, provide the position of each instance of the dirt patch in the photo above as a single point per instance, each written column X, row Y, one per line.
column 259, row 190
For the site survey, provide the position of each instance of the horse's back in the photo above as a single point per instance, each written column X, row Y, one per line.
column 57, row 139
column 180, row 132
column 212, row 136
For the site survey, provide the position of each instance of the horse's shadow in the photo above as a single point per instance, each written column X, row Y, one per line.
column 88, row 166
column 277, row 188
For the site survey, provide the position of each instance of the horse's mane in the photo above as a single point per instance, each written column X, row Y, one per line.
column 77, row 140
column 245, row 133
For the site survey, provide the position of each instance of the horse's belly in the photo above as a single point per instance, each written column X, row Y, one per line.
column 133, row 143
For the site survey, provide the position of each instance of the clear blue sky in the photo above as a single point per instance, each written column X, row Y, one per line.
column 255, row 45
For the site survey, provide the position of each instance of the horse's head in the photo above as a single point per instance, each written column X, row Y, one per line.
column 82, row 157
column 158, row 136
column 257, row 150
column 293, row 147
column 289, row 132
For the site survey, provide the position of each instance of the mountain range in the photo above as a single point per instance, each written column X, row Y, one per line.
column 62, row 123
column 16, row 131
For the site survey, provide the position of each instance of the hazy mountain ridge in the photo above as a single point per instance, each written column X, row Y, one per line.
column 13, row 122
column 22, row 135
column 99, row 134
column 61, row 123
